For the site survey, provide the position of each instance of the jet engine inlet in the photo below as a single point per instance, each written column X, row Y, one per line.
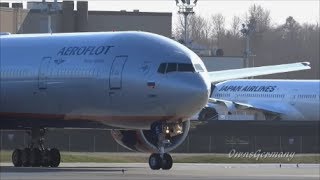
column 147, row 141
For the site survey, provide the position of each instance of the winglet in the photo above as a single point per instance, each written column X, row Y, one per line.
column 306, row 63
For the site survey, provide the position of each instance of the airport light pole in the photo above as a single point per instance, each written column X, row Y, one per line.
column 50, row 9
column 186, row 8
column 247, row 31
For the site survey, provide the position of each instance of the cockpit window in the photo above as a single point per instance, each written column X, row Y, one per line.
column 162, row 68
column 174, row 67
column 185, row 68
column 171, row 67
column 198, row 68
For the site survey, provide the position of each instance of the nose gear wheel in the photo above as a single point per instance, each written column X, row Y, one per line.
column 161, row 160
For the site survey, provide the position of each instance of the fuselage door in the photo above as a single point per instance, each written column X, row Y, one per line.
column 43, row 73
column 293, row 97
column 115, row 78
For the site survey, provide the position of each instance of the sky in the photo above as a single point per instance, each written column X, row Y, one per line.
column 303, row 11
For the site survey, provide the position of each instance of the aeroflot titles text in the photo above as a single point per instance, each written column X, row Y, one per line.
column 248, row 88
column 84, row 50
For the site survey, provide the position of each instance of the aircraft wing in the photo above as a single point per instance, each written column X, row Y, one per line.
column 218, row 76
column 233, row 106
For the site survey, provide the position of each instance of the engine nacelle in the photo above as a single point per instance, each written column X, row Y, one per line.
column 208, row 113
column 146, row 141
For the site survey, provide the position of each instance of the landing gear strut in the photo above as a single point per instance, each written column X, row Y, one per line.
column 160, row 160
column 36, row 154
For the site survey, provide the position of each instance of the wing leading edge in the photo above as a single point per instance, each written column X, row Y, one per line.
column 218, row 76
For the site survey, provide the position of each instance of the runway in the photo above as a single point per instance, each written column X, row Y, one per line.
column 141, row 171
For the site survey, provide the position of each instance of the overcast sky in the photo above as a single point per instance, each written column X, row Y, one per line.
column 303, row 11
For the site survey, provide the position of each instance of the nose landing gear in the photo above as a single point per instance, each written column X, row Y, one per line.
column 36, row 154
column 160, row 160
column 156, row 162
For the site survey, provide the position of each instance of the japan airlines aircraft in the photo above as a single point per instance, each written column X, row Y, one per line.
column 268, row 99
column 144, row 86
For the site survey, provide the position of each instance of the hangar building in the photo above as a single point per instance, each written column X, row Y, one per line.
column 65, row 19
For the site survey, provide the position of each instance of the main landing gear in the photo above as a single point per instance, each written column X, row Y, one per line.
column 36, row 155
column 160, row 160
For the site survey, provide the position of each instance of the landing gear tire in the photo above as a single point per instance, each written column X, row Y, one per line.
column 16, row 158
column 35, row 157
column 167, row 161
column 54, row 157
column 155, row 161
column 45, row 161
column 36, row 154
column 25, row 157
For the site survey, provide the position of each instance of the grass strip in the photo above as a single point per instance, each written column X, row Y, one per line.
column 5, row 156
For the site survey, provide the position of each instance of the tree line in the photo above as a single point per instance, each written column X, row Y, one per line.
column 270, row 44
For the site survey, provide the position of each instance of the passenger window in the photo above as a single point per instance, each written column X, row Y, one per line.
column 171, row 67
column 162, row 68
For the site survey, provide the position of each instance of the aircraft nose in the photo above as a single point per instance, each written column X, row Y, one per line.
column 199, row 91
column 194, row 94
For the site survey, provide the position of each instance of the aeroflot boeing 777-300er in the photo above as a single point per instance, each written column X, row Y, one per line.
column 144, row 86
column 294, row 100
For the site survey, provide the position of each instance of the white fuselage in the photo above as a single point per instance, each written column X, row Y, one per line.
column 293, row 99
